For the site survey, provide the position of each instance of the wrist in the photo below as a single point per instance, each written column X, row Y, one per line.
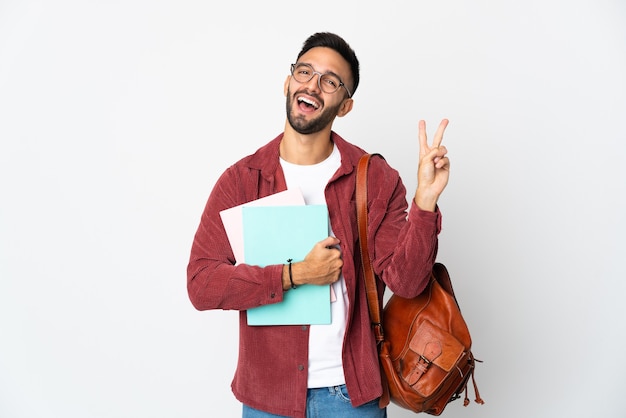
column 425, row 201
column 288, row 276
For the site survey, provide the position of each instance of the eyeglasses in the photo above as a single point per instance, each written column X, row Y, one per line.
column 328, row 83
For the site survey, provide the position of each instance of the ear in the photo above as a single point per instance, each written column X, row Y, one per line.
column 286, row 86
column 345, row 108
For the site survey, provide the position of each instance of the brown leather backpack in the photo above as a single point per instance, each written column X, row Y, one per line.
column 425, row 348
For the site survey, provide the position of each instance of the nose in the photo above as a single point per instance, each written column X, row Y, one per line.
column 319, row 80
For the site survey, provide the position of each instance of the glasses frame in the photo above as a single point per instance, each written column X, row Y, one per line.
column 319, row 78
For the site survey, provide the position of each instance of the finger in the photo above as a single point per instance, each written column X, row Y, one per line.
column 328, row 242
column 439, row 134
column 422, row 137
column 436, row 154
column 443, row 163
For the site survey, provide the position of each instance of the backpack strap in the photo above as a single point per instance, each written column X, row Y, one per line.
column 370, row 277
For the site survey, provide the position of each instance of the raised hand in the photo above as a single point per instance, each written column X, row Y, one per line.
column 434, row 167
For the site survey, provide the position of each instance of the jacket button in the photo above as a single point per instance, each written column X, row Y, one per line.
column 304, row 327
column 300, row 367
column 272, row 295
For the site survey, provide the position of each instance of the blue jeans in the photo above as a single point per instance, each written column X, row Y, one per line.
column 330, row 402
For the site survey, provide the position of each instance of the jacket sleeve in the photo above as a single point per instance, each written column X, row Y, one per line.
column 214, row 280
column 405, row 244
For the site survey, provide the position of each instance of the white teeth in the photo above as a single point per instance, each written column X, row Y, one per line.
column 310, row 102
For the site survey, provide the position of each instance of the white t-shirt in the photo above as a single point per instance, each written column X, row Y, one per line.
column 325, row 341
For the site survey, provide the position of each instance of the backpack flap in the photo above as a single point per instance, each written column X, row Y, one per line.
column 434, row 351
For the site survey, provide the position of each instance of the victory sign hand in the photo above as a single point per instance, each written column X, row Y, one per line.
column 434, row 167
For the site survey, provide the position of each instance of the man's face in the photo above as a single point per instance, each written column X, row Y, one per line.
column 309, row 109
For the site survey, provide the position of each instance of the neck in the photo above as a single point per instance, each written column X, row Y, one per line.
column 305, row 149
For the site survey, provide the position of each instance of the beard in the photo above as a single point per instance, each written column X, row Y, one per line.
column 306, row 127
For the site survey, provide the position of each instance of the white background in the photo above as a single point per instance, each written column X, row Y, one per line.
column 117, row 117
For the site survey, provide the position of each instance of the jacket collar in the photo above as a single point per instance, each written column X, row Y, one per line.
column 266, row 159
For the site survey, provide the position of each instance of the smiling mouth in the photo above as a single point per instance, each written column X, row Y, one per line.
column 308, row 103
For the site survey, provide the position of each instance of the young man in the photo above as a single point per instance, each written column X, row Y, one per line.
column 318, row 370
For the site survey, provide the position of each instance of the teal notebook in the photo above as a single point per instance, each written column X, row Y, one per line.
column 274, row 234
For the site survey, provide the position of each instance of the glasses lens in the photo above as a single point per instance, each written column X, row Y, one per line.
column 302, row 73
column 329, row 83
